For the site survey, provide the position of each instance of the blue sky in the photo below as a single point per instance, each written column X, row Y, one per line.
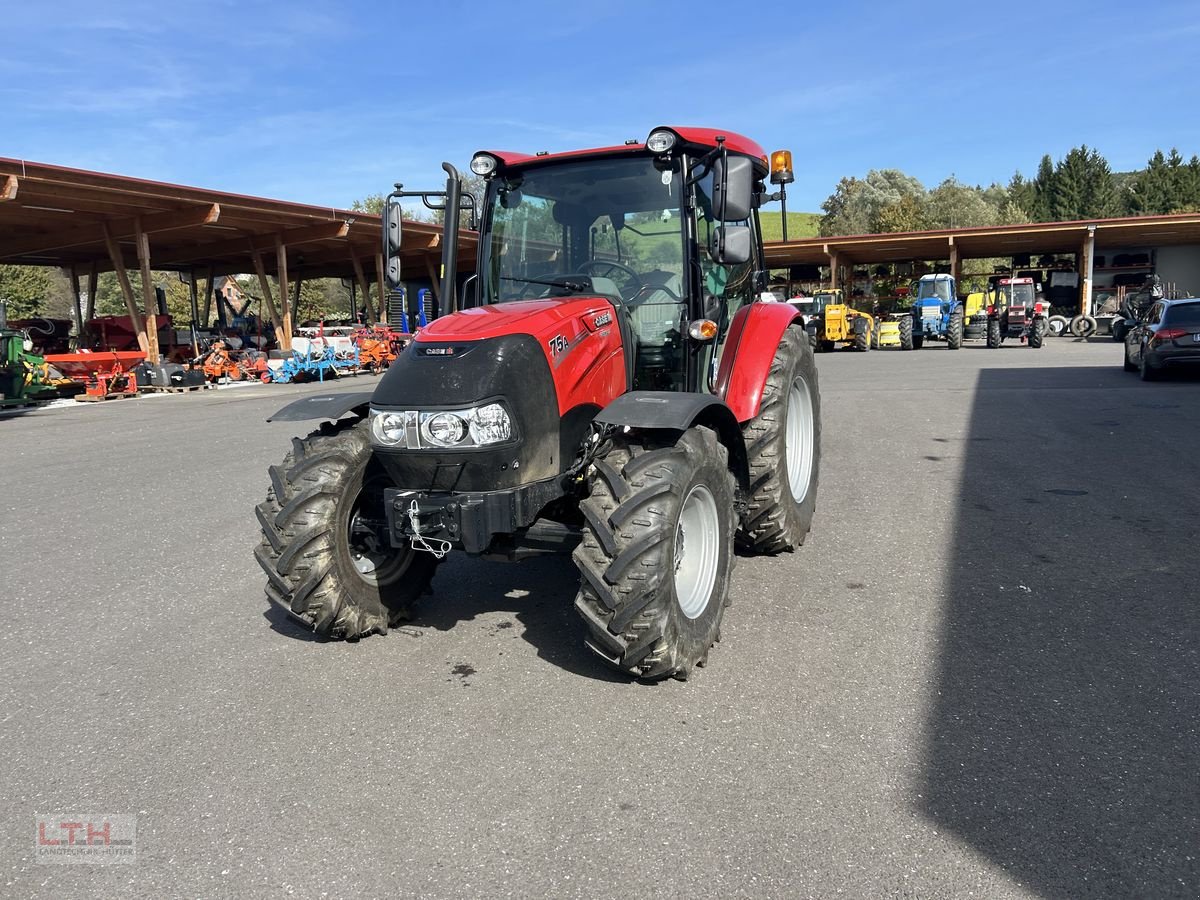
column 326, row 102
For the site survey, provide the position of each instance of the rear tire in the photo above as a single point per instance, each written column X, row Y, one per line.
column 324, row 566
column 1037, row 333
column 906, row 333
column 783, row 448
column 993, row 333
column 657, row 553
column 862, row 335
column 1147, row 372
column 954, row 330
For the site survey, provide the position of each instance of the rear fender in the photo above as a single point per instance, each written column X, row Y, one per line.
column 675, row 412
column 324, row 406
column 754, row 336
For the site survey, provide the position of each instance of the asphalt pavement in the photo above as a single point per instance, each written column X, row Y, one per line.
column 978, row 678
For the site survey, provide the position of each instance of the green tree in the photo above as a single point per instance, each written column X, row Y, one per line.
column 953, row 204
column 1041, row 207
column 908, row 214
column 855, row 206
column 24, row 288
column 1083, row 186
column 1153, row 188
column 1022, row 193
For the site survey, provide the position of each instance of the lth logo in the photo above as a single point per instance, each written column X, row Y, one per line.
column 92, row 839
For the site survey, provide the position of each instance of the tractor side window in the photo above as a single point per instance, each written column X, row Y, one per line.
column 727, row 288
column 526, row 244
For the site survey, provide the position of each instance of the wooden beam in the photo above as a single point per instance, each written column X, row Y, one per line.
column 93, row 286
column 8, row 188
column 361, row 278
column 281, row 275
column 379, row 283
column 73, row 235
column 208, row 298
column 76, row 304
column 118, row 263
column 149, row 301
column 264, row 287
column 237, row 246
column 432, row 269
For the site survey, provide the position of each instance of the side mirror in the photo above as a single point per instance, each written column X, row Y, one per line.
column 730, row 244
column 733, row 188
column 392, row 236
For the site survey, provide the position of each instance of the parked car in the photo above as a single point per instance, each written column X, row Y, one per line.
column 1167, row 336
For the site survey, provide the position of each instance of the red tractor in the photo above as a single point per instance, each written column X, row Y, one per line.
column 615, row 385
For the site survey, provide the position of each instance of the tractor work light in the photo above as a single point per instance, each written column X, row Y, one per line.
column 660, row 141
column 477, row 426
column 781, row 167
column 483, row 164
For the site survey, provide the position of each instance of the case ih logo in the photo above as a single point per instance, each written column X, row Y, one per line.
column 601, row 320
column 91, row 839
column 439, row 351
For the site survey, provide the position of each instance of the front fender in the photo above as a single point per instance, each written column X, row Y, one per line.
column 754, row 337
column 324, row 406
column 672, row 411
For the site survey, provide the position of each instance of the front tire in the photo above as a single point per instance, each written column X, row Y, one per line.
column 954, row 330
column 783, row 448
column 657, row 553
column 327, row 559
column 1037, row 334
column 1128, row 366
column 993, row 333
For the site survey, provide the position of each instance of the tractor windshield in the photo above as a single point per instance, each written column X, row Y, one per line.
column 609, row 226
column 934, row 290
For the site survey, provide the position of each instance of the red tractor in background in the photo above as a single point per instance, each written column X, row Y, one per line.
column 1015, row 310
column 615, row 385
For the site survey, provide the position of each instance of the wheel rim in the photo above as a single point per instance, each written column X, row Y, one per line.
column 375, row 561
column 697, row 551
column 798, row 439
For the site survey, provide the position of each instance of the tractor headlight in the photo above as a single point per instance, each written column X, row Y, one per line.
column 391, row 428
column 476, row 426
column 660, row 141
column 490, row 424
column 483, row 164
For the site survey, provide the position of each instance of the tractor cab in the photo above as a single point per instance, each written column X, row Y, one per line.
column 636, row 230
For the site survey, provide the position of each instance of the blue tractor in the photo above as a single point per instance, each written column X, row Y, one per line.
column 936, row 314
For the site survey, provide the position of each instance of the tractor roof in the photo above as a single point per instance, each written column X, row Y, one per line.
column 940, row 276
column 699, row 138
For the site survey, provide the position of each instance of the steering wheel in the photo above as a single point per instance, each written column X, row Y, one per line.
column 607, row 266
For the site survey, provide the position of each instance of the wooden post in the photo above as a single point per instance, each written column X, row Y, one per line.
column 208, row 297
column 77, row 305
column 93, row 286
column 285, row 340
column 282, row 277
column 118, row 264
column 361, row 277
column 149, row 301
column 834, row 264
column 379, row 316
column 1086, row 273
column 955, row 263
column 295, row 309
column 195, row 298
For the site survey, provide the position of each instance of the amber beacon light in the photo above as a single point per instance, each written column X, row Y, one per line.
column 781, row 167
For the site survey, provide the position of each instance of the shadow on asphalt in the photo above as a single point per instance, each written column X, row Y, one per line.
column 539, row 593
column 1064, row 742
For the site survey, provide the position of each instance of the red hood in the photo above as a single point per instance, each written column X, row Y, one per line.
column 539, row 318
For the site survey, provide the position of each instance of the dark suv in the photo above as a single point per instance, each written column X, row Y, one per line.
column 1167, row 336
